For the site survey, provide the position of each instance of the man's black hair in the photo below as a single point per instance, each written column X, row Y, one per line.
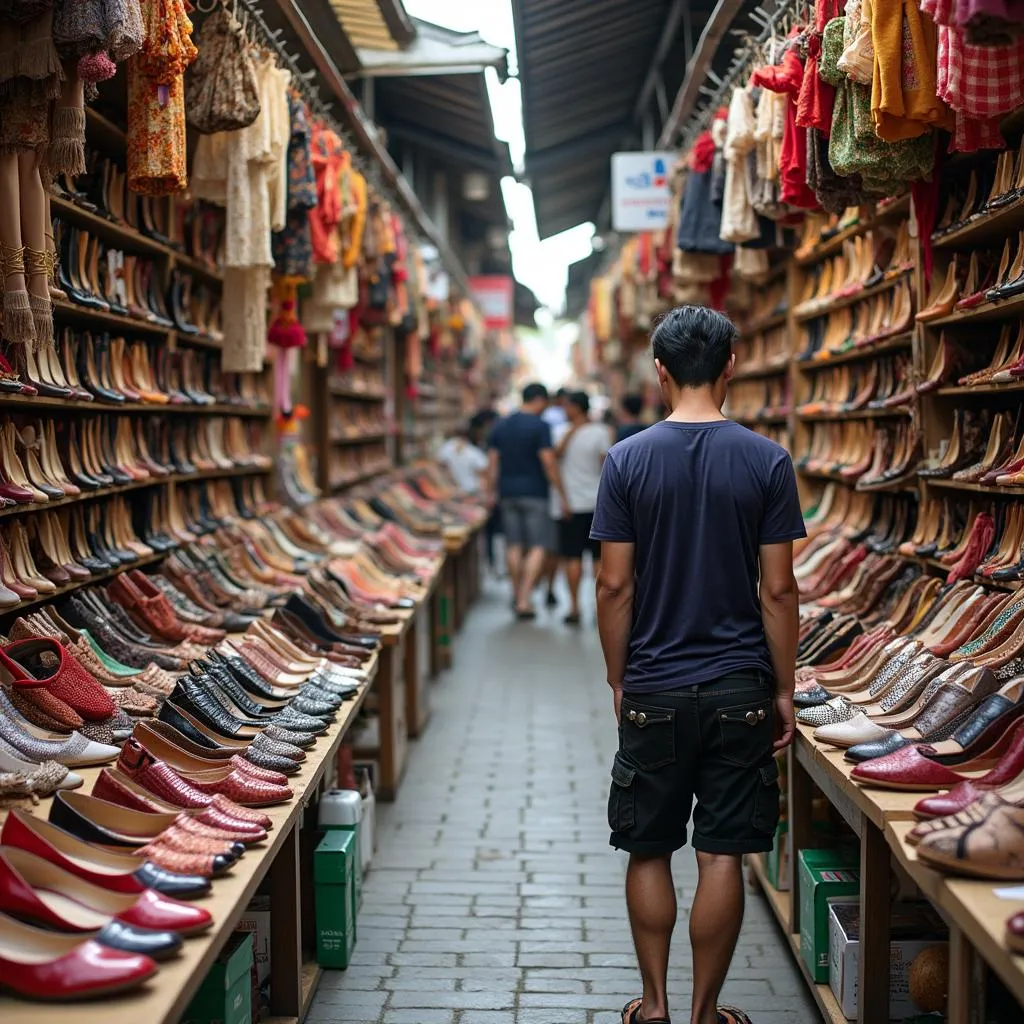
column 561, row 393
column 694, row 344
column 534, row 391
column 581, row 400
column 632, row 405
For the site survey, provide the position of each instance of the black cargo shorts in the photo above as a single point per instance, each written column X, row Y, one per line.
column 710, row 743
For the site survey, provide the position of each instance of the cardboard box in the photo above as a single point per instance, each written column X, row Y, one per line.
column 225, row 996
column 913, row 927
column 822, row 874
column 334, row 863
column 256, row 920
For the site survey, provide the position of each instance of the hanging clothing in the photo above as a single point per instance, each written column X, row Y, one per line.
column 700, row 217
column 739, row 221
column 327, row 154
column 353, row 200
column 293, row 246
column 787, row 79
column 904, row 103
column 991, row 22
column 817, row 97
column 156, row 101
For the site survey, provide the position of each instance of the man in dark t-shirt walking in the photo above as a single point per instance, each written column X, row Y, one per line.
column 697, row 610
column 522, row 468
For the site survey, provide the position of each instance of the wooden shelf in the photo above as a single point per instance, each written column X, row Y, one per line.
column 36, row 403
column 765, row 323
column 896, row 344
column 854, row 414
column 337, row 391
column 981, row 389
column 903, row 487
column 755, row 372
column 964, row 485
column 165, row 998
column 359, row 478
column 985, row 229
column 67, row 310
column 841, row 302
column 1003, row 309
column 347, row 442
column 761, row 420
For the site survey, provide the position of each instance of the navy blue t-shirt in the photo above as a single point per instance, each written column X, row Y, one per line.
column 519, row 439
column 697, row 500
column 628, row 430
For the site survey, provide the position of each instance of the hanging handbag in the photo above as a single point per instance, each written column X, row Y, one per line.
column 221, row 91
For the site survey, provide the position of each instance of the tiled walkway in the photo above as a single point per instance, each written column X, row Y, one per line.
column 495, row 898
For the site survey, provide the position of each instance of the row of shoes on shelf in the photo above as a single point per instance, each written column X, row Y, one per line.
column 984, row 449
column 347, row 466
column 872, row 457
column 864, row 262
column 362, row 380
column 754, row 399
column 884, row 383
column 352, row 419
column 82, row 367
column 988, row 189
column 766, row 351
column 98, row 276
column 48, row 460
column 767, row 302
column 878, row 319
column 820, row 227
column 955, row 365
column 987, row 279
column 193, row 228
column 233, row 659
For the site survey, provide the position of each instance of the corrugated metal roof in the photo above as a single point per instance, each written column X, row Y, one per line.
column 582, row 68
column 364, row 24
column 436, row 50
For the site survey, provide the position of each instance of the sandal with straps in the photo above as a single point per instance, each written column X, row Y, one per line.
column 631, row 1014
column 730, row 1015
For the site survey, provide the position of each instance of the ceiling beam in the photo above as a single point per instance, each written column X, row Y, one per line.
column 442, row 145
column 718, row 24
column 575, row 149
column 679, row 11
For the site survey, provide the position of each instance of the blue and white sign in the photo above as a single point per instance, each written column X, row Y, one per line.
column 640, row 190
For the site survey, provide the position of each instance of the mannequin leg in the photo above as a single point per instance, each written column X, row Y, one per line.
column 33, row 235
column 17, row 314
column 67, row 129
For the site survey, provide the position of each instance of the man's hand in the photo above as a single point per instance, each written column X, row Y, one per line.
column 617, row 699
column 785, row 723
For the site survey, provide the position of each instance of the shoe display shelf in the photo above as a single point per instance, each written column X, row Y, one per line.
column 282, row 868
column 760, row 393
column 972, row 359
column 881, row 819
column 852, row 287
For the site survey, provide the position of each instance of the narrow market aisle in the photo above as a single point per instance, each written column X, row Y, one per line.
column 495, row 898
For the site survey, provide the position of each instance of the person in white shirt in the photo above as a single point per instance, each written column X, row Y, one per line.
column 556, row 414
column 466, row 463
column 581, row 452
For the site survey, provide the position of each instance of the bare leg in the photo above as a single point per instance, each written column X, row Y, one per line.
column 715, row 920
column 548, row 577
column 651, row 899
column 514, row 560
column 573, row 575
column 532, row 566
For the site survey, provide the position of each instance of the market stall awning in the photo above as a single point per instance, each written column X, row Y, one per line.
column 592, row 74
column 434, row 50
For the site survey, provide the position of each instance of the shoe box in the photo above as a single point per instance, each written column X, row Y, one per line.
column 915, row 931
column 225, row 996
column 822, row 874
column 335, row 897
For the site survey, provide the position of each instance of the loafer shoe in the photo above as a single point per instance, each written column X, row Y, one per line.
column 909, row 768
column 877, row 748
column 856, row 730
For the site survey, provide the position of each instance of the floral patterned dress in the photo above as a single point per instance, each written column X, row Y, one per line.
column 156, row 101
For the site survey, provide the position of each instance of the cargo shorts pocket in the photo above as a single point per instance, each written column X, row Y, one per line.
column 766, row 798
column 746, row 733
column 622, row 798
column 647, row 735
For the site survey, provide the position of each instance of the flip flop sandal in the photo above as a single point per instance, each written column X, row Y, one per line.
column 730, row 1015
column 631, row 1014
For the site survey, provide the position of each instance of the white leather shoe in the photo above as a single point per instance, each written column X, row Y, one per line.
column 858, row 729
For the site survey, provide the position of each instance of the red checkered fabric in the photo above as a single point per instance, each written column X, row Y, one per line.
column 980, row 81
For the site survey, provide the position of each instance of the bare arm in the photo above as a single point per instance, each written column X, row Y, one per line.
column 781, row 617
column 616, row 586
column 549, row 461
column 563, row 441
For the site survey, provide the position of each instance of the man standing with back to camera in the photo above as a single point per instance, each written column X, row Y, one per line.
column 698, row 614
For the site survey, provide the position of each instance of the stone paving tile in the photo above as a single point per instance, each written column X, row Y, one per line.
column 494, row 897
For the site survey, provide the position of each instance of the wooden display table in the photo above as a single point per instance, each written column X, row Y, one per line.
column 293, row 982
column 420, row 658
column 393, row 728
column 882, row 818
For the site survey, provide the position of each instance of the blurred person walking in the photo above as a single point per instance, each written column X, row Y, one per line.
column 523, row 469
column 630, row 410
